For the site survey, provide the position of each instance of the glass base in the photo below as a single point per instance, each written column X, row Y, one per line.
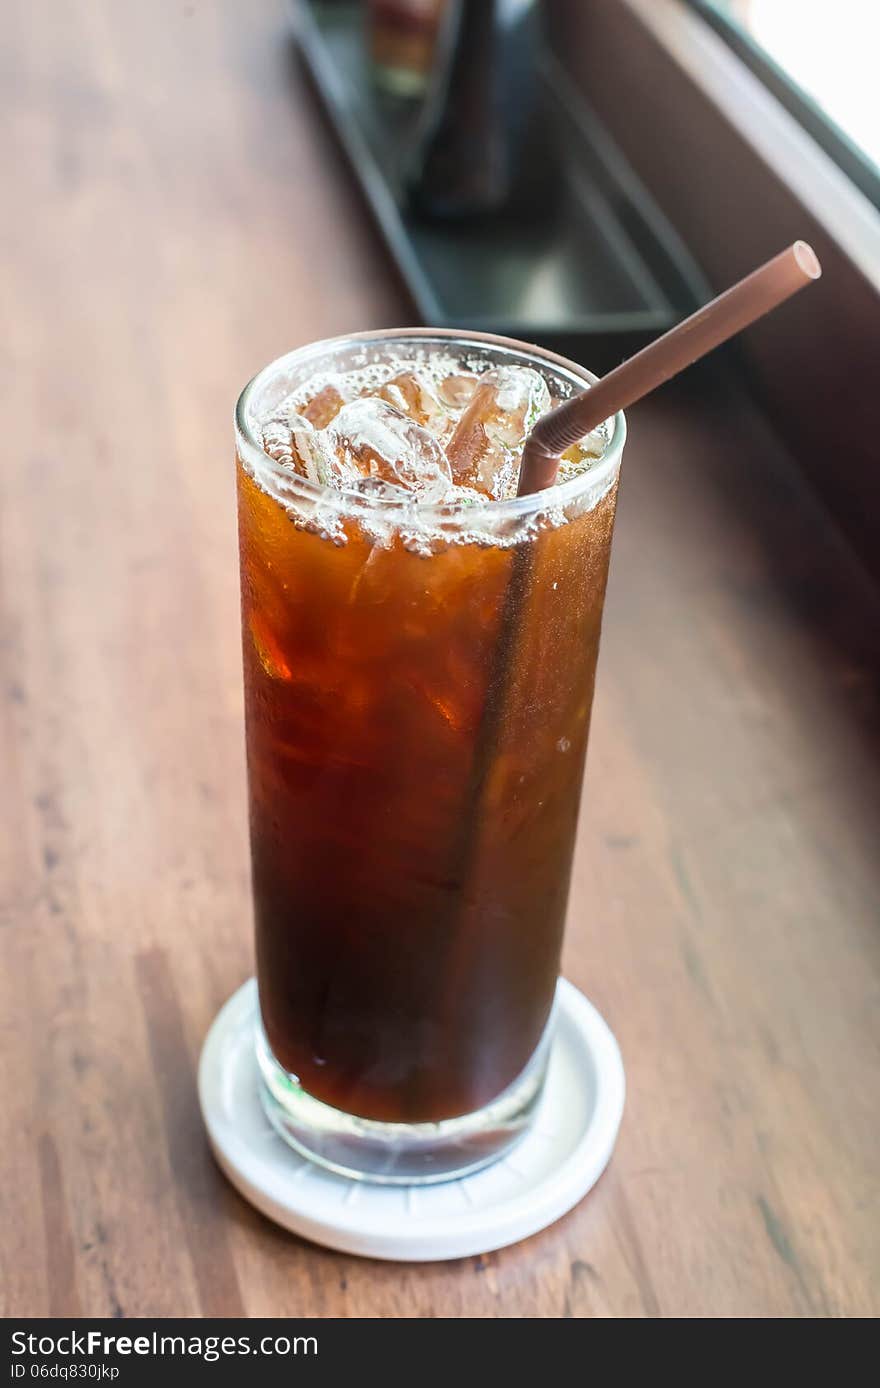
column 403, row 1154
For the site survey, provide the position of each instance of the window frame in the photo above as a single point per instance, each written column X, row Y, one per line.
column 818, row 124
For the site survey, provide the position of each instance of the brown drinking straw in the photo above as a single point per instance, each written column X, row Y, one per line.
column 556, row 431
column 764, row 289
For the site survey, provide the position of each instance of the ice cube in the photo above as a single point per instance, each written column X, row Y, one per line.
column 323, row 408
column 583, row 455
column 278, row 441
column 521, row 397
column 457, row 391
column 289, row 438
column 372, row 439
column 412, row 395
column 315, row 456
column 589, row 449
column 484, row 449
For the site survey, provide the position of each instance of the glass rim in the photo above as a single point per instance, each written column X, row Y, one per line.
column 559, row 495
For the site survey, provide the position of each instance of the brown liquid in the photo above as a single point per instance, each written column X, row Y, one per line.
column 406, row 958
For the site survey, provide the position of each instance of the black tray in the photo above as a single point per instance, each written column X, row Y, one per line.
column 600, row 275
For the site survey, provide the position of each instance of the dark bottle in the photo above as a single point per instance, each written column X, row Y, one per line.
column 479, row 125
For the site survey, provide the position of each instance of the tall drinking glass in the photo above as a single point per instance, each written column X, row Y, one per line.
column 418, row 686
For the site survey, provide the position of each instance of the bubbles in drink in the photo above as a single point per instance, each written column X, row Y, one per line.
column 433, row 429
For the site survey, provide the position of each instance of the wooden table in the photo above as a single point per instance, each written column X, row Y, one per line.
column 180, row 216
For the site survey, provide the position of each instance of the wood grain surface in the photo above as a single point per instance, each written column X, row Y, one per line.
column 176, row 215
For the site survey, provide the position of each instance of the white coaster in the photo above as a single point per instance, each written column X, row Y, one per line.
column 560, row 1158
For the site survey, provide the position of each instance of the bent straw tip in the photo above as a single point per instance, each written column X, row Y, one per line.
column 737, row 308
column 807, row 260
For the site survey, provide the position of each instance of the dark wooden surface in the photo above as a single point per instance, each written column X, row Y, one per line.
column 180, row 216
